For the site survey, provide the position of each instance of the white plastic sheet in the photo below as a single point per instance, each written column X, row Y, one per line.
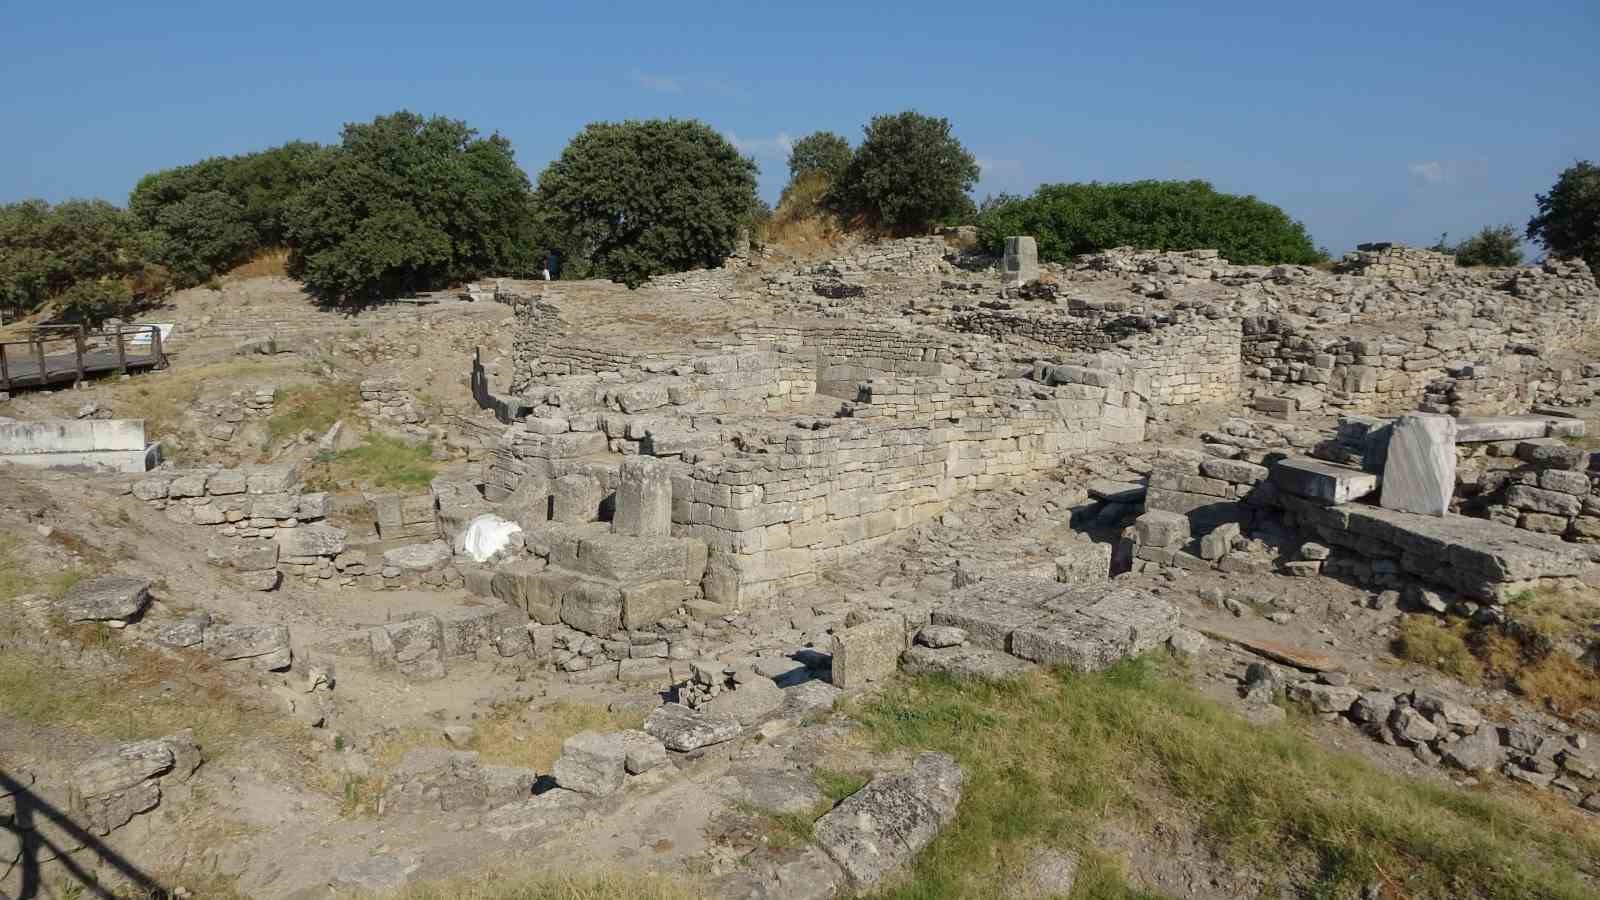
column 486, row 535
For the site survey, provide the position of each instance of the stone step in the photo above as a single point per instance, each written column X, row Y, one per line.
column 1476, row 429
column 1117, row 491
column 1321, row 481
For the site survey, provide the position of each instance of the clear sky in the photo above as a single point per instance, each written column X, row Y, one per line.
column 1390, row 121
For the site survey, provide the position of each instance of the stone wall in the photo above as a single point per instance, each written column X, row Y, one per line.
column 773, row 522
column 1188, row 354
column 1397, row 261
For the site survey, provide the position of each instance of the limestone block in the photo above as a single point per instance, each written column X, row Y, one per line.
column 1217, row 544
column 311, row 540
column 109, row 599
column 1323, row 482
column 266, row 645
column 1419, row 473
column 576, row 499
column 867, row 652
column 592, row 763
column 1162, row 528
column 1083, row 564
column 592, row 607
column 644, row 498
column 884, row 825
column 1021, row 262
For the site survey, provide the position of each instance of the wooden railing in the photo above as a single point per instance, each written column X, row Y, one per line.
column 26, row 362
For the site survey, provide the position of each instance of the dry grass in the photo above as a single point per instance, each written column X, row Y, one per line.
column 141, row 694
column 1050, row 759
column 1425, row 641
column 380, row 461
column 511, row 735
column 267, row 262
column 800, row 223
column 159, row 398
column 543, row 886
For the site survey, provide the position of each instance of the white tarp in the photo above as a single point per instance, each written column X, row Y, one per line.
column 485, row 536
column 144, row 337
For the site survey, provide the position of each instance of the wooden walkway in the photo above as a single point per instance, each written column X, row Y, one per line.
column 53, row 355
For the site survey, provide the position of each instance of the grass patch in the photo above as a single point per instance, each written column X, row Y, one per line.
column 1050, row 758
column 159, row 398
column 606, row 886
column 143, row 695
column 380, row 461
column 787, row 830
column 312, row 407
column 1423, row 640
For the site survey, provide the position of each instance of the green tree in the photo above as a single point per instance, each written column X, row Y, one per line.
column 821, row 151
column 406, row 203
column 1069, row 219
column 46, row 250
column 1568, row 223
column 633, row 199
column 209, row 216
column 909, row 173
column 1497, row 246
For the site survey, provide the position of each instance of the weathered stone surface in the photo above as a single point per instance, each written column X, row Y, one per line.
column 644, row 752
column 592, row 763
column 109, row 790
column 506, row 784
column 938, row 636
column 1161, row 528
column 575, row 499
column 1533, row 499
column 749, row 703
column 378, row 874
column 311, row 540
column 881, row 827
column 1084, row 564
column 1476, row 752
column 774, row 792
column 1077, row 642
column 418, row 558
column 244, row 556
column 593, row 607
column 644, row 498
column 867, row 652
column 1218, row 542
column 413, row 647
column 988, row 623
column 267, row 645
column 964, row 662
column 1323, row 482
column 1046, row 873
column 809, row 697
column 1300, row 657
column 1324, row 698
column 1020, row 264
column 434, row 779
column 110, row 599
column 683, row 729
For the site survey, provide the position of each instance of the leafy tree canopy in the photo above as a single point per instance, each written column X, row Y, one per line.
column 406, row 203
column 1069, row 219
column 45, row 250
column 633, row 199
column 908, row 174
column 1568, row 223
column 821, row 151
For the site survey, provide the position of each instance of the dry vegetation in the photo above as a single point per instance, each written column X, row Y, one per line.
column 512, row 735
column 159, row 398
column 274, row 262
column 1050, row 760
column 1525, row 657
column 505, row 886
column 380, row 461
column 312, row 407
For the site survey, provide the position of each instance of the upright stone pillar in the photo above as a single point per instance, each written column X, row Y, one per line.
column 644, row 498
column 1021, row 264
column 1419, row 472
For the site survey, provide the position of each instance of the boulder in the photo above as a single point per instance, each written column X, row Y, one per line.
column 113, row 598
column 265, row 645
column 683, row 729
column 867, row 652
column 884, row 825
column 592, row 763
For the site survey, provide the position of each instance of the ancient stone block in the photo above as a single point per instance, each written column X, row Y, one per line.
column 1419, row 474
column 683, row 729
column 592, row 763
column 867, row 652
column 592, row 607
column 1021, row 262
column 576, row 499
column 884, row 825
column 1084, row 564
column 1323, row 482
column 267, row 645
column 108, row 599
column 644, row 498
column 1160, row 528
column 311, row 540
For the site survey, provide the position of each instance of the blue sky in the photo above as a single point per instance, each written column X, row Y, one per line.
column 1367, row 122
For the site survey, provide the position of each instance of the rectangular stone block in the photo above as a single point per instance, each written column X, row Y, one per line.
column 1323, row 482
column 867, row 652
column 644, row 498
column 1419, row 473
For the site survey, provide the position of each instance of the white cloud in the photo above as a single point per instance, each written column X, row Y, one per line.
column 657, row 83
column 992, row 168
column 777, row 146
column 1430, row 172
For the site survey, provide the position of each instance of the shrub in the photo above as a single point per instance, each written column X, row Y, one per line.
column 633, row 199
column 1497, row 246
column 821, row 152
column 1069, row 219
column 1568, row 223
column 407, row 203
column 203, row 234
column 908, row 174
